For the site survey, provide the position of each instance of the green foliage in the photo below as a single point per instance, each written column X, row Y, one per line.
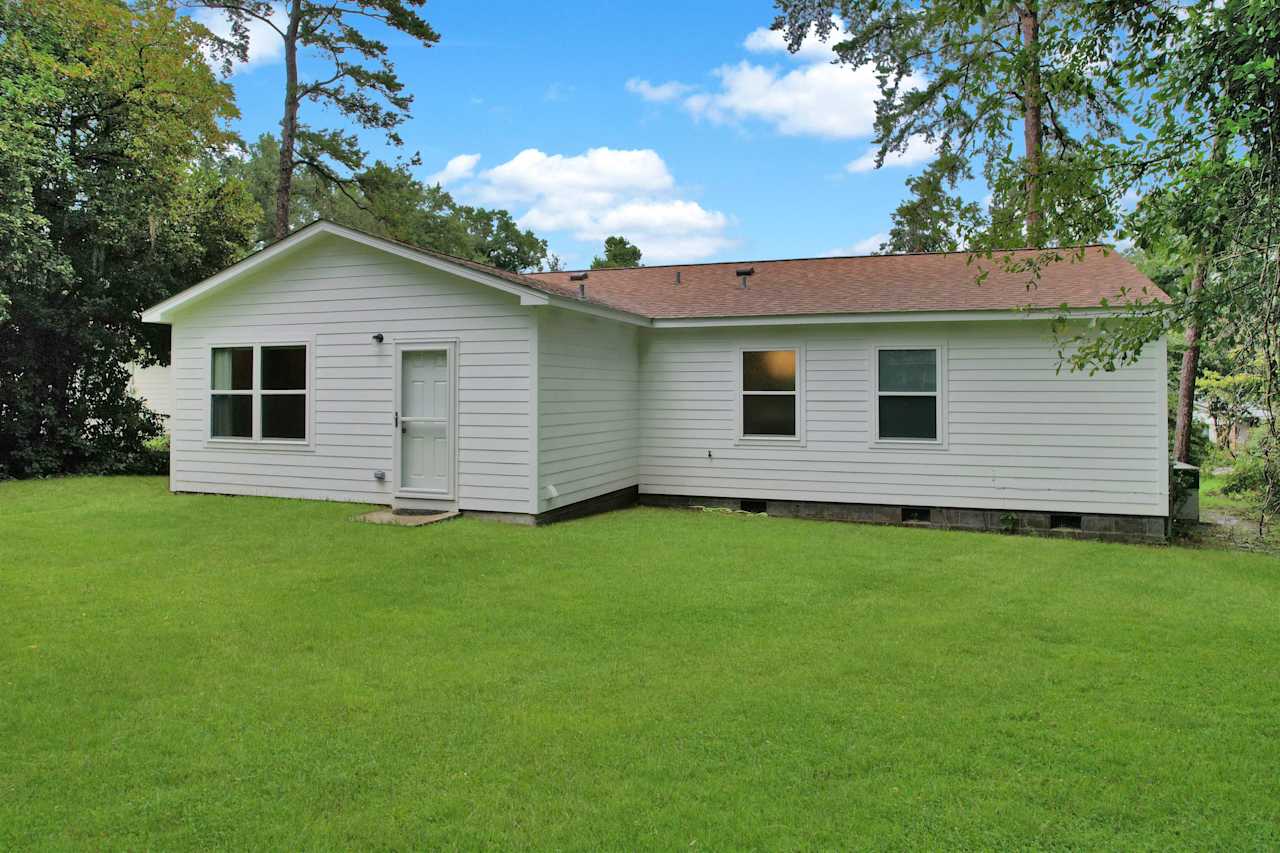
column 1255, row 473
column 1231, row 398
column 932, row 219
column 355, row 78
column 388, row 201
column 1168, row 268
column 110, row 204
column 618, row 252
column 1247, row 474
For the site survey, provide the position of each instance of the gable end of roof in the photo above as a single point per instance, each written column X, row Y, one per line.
column 529, row 291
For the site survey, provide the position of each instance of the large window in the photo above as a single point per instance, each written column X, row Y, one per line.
column 258, row 392
column 907, row 394
column 769, row 393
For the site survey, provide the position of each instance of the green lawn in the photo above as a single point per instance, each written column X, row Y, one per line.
column 209, row 672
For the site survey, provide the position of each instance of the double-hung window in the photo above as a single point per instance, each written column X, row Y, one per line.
column 907, row 400
column 259, row 392
column 770, row 393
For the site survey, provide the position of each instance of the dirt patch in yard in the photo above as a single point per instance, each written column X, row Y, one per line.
column 1232, row 529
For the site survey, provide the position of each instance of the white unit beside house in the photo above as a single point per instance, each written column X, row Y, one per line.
column 342, row 366
column 154, row 386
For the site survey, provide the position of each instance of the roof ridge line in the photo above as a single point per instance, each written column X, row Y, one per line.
column 824, row 258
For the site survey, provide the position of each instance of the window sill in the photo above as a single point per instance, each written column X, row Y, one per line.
column 267, row 444
column 768, row 441
column 906, row 444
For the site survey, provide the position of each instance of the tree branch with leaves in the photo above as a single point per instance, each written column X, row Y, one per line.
column 359, row 80
column 962, row 76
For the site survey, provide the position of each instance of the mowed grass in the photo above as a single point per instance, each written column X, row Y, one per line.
column 183, row 672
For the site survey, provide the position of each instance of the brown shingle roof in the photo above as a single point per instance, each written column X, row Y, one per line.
column 1082, row 278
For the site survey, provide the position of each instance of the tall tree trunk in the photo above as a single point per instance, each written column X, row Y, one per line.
column 1191, row 358
column 288, row 124
column 1190, row 366
column 1032, row 125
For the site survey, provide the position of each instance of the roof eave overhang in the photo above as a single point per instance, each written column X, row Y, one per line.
column 886, row 317
column 602, row 311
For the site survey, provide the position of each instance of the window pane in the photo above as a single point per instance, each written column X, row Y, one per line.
column 284, row 415
column 909, row 417
column 284, row 368
column 231, row 416
column 233, row 369
column 773, row 370
column 772, row 414
column 908, row 370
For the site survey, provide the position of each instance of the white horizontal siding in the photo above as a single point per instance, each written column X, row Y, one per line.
column 1020, row 434
column 617, row 407
column 588, row 402
column 337, row 294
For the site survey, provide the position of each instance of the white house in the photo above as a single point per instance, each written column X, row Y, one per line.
column 338, row 365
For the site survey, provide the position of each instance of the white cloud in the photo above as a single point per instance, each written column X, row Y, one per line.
column 605, row 191
column 918, row 150
column 265, row 45
column 867, row 246
column 815, row 96
column 600, row 171
column 765, row 40
column 462, row 166
column 819, row 99
column 657, row 92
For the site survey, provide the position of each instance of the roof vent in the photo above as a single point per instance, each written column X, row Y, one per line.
column 677, row 276
column 742, row 275
column 577, row 276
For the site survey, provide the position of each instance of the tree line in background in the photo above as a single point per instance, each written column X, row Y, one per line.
column 386, row 200
column 1154, row 122
column 121, row 185
column 111, row 199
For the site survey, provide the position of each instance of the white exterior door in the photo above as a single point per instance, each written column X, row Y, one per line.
column 426, row 445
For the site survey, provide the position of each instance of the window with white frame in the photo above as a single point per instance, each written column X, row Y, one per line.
column 907, row 405
column 770, row 393
column 258, row 392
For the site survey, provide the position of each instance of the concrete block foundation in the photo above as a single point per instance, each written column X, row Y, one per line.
column 1116, row 528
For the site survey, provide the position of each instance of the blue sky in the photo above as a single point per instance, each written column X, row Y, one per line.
column 683, row 127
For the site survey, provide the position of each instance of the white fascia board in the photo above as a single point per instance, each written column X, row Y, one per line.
column 883, row 317
column 163, row 312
